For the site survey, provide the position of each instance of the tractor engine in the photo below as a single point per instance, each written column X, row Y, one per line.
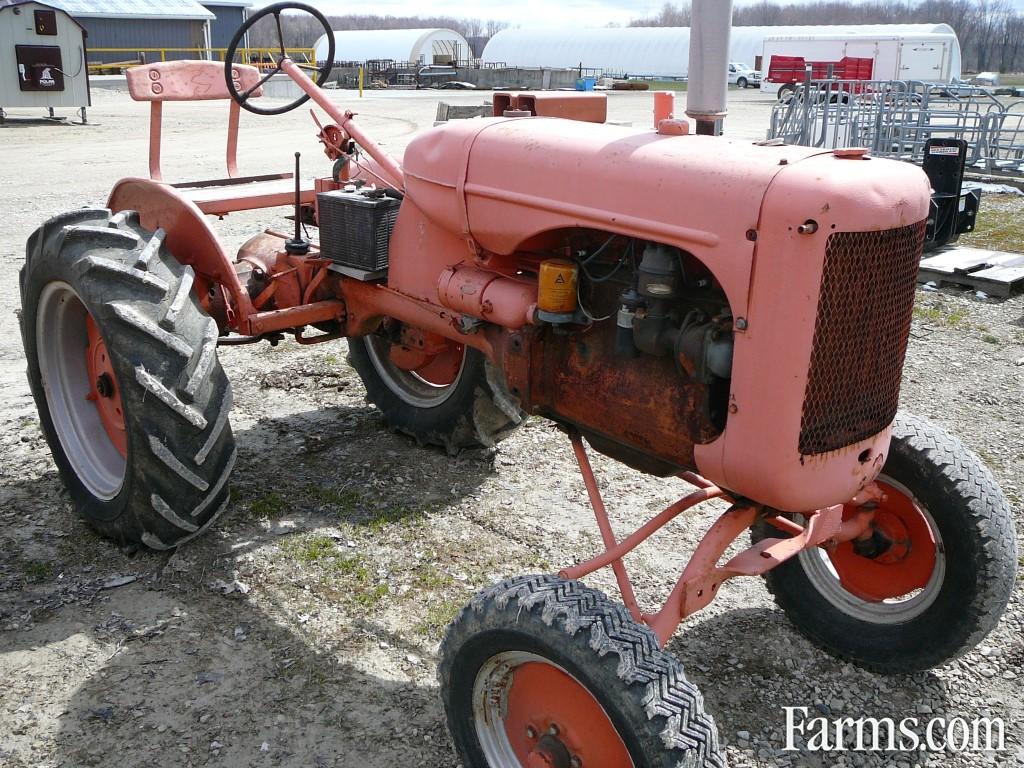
column 736, row 308
column 642, row 359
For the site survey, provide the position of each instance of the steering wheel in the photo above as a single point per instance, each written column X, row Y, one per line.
column 322, row 72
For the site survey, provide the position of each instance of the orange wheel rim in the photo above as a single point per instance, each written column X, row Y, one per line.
column 906, row 566
column 439, row 369
column 548, row 719
column 105, row 392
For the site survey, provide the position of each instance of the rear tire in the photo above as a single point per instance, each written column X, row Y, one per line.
column 741, row 82
column 165, row 480
column 473, row 411
column 970, row 583
column 540, row 655
column 786, row 93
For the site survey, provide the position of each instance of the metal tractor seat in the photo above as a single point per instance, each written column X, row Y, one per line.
column 204, row 81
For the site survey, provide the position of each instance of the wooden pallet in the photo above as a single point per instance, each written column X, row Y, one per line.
column 997, row 273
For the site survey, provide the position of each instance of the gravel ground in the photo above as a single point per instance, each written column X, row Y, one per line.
column 303, row 630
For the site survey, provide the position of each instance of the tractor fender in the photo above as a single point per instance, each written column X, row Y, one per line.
column 189, row 237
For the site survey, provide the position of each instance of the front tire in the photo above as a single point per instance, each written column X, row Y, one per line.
column 941, row 585
column 538, row 670
column 456, row 400
column 741, row 82
column 122, row 363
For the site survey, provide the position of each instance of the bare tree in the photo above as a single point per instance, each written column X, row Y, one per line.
column 991, row 32
column 494, row 27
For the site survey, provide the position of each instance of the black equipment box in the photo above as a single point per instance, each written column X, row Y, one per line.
column 355, row 228
column 954, row 207
column 39, row 67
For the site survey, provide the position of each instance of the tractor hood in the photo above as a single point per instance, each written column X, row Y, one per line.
column 500, row 182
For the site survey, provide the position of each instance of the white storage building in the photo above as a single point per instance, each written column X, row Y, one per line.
column 418, row 46
column 665, row 51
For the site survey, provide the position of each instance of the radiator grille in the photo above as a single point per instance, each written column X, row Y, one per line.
column 860, row 336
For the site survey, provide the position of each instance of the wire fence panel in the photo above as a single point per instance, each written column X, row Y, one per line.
column 894, row 118
column 1003, row 151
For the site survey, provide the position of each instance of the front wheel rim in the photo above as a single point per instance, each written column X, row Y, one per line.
column 85, row 427
column 529, row 711
column 850, row 582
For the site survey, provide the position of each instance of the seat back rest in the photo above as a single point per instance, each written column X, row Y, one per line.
column 189, row 81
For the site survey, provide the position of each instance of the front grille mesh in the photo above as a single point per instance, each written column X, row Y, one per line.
column 860, row 336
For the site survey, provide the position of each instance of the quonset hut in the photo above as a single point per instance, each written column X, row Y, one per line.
column 412, row 46
column 665, row 51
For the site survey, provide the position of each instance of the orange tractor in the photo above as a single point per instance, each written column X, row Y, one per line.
column 732, row 313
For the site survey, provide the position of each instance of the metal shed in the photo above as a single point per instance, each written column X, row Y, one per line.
column 133, row 26
column 42, row 58
column 230, row 15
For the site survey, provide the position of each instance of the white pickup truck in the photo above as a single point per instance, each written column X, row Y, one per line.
column 743, row 76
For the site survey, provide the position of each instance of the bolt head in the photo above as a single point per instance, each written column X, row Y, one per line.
column 741, row 323
column 575, row 762
column 552, row 730
column 531, row 732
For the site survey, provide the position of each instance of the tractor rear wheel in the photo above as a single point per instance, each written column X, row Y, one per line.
column 934, row 579
column 540, row 671
column 122, row 363
column 453, row 398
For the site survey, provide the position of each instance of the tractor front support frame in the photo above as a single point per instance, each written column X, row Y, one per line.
column 698, row 584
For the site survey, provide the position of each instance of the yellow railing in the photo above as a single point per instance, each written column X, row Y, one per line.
column 264, row 58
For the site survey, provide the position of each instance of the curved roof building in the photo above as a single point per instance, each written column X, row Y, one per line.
column 664, row 51
column 419, row 46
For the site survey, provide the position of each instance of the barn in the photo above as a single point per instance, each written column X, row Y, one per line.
column 415, row 46
column 661, row 51
column 137, row 25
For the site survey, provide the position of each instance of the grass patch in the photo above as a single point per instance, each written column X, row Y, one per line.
column 438, row 616
column 312, row 550
column 667, row 85
column 356, row 508
column 386, row 514
column 346, row 500
column 348, row 576
column 429, row 576
column 271, row 506
column 988, row 338
column 37, row 570
column 940, row 316
column 1000, row 225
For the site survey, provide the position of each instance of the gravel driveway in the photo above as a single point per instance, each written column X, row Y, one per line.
column 303, row 630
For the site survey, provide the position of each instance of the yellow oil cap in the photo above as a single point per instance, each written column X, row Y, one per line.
column 557, row 291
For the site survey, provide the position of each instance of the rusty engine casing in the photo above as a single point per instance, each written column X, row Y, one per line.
column 812, row 252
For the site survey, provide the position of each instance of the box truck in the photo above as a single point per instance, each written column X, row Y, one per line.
column 932, row 58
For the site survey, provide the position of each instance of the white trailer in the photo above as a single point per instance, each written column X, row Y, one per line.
column 42, row 58
column 931, row 58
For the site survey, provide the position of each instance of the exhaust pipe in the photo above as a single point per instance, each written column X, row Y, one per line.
column 708, row 79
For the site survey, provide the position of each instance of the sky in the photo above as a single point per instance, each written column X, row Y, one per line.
column 525, row 13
